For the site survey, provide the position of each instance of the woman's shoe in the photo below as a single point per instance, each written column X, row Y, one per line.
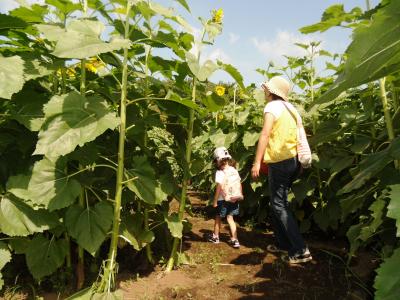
column 299, row 258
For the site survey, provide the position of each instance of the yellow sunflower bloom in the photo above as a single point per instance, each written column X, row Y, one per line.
column 217, row 16
column 94, row 64
column 71, row 73
column 91, row 67
column 219, row 90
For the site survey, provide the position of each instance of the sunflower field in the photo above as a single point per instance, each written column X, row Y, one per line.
column 99, row 133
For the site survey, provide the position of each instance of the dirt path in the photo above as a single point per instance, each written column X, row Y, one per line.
column 218, row 271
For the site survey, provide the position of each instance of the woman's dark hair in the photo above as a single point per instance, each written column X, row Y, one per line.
column 220, row 163
column 276, row 97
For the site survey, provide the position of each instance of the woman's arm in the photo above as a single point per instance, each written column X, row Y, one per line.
column 262, row 143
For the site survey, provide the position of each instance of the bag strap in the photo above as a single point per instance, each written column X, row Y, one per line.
column 298, row 122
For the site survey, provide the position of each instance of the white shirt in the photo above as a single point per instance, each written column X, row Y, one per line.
column 276, row 108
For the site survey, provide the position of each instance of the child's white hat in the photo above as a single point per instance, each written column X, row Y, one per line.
column 221, row 152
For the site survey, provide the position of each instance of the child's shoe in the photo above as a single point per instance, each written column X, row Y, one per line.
column 214, row 239
column 234, row 243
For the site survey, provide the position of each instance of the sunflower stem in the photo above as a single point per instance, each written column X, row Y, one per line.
column 107, row 283
column 185, row 183
column 386, row 112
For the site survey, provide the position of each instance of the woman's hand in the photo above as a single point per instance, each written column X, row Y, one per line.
column 215, row 204
column 255, row 170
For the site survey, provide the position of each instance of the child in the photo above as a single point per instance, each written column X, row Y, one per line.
column 227, row 194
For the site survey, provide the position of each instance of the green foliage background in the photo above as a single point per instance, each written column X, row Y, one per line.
column 62, row 93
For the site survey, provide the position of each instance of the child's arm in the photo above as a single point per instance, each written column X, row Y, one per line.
column 218, row 190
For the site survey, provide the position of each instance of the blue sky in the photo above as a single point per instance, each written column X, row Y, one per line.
column 258, row 31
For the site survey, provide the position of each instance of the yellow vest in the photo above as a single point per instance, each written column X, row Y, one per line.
column 282, row 139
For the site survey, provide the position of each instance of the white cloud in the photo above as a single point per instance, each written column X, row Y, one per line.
column 41, row 2
column 219, row 54
column 282, row 44
column 233, row 38
column 7, row 5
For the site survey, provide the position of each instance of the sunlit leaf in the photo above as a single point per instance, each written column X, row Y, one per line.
column 65, row 6
column 11, row 75
column 231, row 70
column 46, row 186
column 33, row 14
column 221, row 139
column 213, row 30
column 181, row 21
column 394, row 206
column 73, row 120
column 206, row 70
column 334, row 15
column 202, row 72
column 242, row 117
column 5, row 255
column 51, row 32
column 373, row 54
column 255, row 184
column 167, row 12
column 18, row 219
column 81, row 39
column 213, row 102
column 175, row 226
column 250, row 138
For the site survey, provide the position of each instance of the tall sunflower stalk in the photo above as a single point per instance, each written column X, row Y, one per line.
column 107, row 283
column 217, row 16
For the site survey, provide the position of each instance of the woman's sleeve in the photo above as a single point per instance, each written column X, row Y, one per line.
column 275, row 108
column 219, row 176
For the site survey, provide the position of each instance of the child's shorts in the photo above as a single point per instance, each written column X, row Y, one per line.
column 225, row 208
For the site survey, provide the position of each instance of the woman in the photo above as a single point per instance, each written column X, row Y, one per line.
column 277, row 147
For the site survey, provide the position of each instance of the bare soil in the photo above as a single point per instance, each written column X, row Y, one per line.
column 218, row 271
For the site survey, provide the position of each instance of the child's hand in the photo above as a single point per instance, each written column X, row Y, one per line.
column 215, row 204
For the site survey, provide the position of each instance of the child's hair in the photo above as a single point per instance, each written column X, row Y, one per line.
column 222, row 162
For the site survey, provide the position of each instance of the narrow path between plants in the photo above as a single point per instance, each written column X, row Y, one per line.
column 221, row 272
